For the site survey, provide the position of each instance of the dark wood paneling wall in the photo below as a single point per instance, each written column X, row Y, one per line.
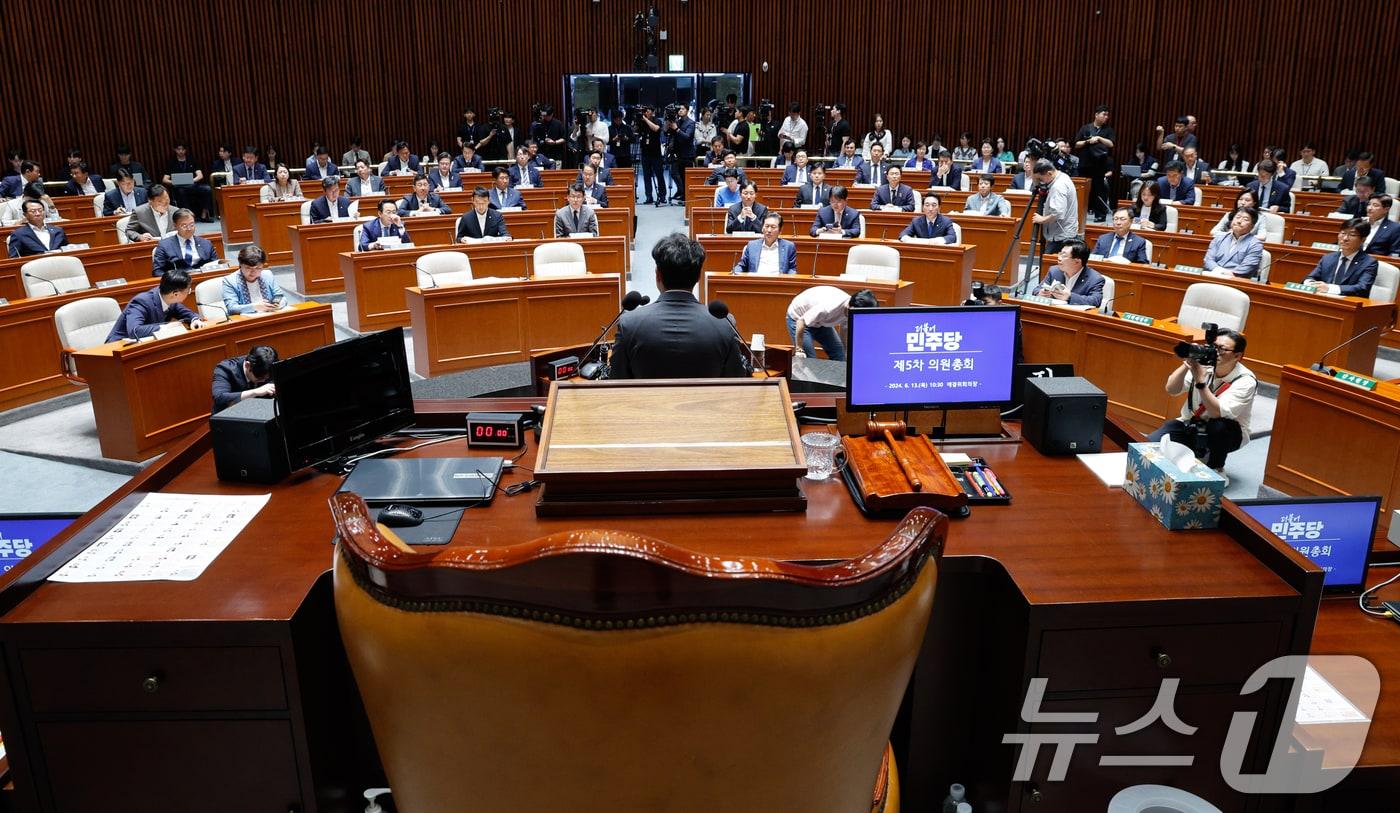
column 290, row 73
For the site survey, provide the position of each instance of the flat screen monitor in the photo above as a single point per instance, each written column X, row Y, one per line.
column 22, row 534
column 930, row 358
column 1334, row 532
column 343, row 395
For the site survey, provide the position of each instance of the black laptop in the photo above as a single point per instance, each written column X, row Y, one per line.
column 425, row 480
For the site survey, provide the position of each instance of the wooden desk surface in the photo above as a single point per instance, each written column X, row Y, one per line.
column 95, row 231
column 233, row 212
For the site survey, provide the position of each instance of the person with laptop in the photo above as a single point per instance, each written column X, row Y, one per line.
column 243, row 377
column 1214, row 419
column 191, row 190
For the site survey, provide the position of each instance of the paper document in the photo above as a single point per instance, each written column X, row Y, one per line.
column 166, row 537
column 1321, row 702
column 1110, row 467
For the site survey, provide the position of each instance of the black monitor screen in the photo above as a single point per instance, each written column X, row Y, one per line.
column 340, row 396
column 930, row 358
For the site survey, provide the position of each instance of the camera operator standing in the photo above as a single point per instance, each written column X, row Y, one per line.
column 1094, row 142
column 1219, row 397
column 649, row 136
column 1059, row 215
column 550, row 134
column 682, row 132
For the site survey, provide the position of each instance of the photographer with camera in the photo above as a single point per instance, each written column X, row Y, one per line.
column 549, row 133
column 1219, row 397
column 649, row 136
column 620, row 138
column 682, row 132
column 1059, row 215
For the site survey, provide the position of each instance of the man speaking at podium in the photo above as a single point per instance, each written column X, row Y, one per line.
column 675, row 336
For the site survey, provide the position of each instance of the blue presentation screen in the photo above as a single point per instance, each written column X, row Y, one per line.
column 929, row 358
column 21, row 536
column 1334, row 533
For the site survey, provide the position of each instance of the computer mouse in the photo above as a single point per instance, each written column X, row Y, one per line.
column 397, row 515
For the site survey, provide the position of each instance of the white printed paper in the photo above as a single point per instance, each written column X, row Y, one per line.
column 166, row 537
column 1320, row 702
column 1110, row 467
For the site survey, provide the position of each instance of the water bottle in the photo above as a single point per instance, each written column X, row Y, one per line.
column 956, row 793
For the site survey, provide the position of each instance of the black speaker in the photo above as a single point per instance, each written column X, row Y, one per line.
column 1063, row 415
column 248, row 446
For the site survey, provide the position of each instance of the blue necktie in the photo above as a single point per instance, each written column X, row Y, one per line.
column 189, row 254
column 1113, row 252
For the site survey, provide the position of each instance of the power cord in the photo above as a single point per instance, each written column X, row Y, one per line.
column 1369, row 610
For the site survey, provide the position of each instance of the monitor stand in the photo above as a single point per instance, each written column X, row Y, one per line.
column 340, row 464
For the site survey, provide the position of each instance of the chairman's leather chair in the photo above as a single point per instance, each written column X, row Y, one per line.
column 1212, row 302
column 559, row 260
column 596, row 671
column 873, row 262
column 440, row 268
column 50, row 276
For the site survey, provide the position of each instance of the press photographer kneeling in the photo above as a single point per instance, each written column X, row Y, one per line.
column 1219, row 397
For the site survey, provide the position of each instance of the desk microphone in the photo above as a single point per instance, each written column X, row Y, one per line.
column 720, row 310
column 594, row 369
column 48, row 282
column 430, row 276
column 1116, row 298
column 1321, row 366
column 816, row 250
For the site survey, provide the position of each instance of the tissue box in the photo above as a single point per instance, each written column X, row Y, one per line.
column 1179, row 497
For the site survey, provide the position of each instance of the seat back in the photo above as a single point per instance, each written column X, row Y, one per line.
column 1386, row 284
column 458, row 658
column 1266, row 261
column 354, row 208
column 1147, row 248
column 1271, row 227
column 441, row 268
column 862, row 226
column 209, row 296
column 1392, row 186
column 873, row 262
column 957, row 233
column 122, row 223
column 965, row 181
column 1173, row 218
column 1196, row 194
column 50, row 276
column 1212, row 302
column 86, row 322
column 559, row 260
column 98, row 201
column 1110, row 290
column 306, row 212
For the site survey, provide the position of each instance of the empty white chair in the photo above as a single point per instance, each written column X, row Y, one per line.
column 1173, row 218
column 84, row 323
column 1339, row 216
column 1212, row 302
column 306, row 212
column 442, row 268
column 355, row 208
column 957, row 233
column 965, row 183
column 1110, row 290
column 209, row 296
column 355, row 237
column 1266, row 261
column 918, row 201
column 1271, row 227
column 873, row 262
column 1386, row 284
column 1395, row 210
column 50, row 276
column 1292, row 202
column 559, row 260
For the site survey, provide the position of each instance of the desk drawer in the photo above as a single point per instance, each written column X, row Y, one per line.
column 1139, row 657
column 155, row 679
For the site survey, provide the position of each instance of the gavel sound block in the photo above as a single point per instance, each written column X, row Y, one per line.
column 897, row 471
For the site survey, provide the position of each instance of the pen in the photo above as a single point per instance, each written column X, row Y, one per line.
column 995, row 482
column 967, row 486
column 982, row 481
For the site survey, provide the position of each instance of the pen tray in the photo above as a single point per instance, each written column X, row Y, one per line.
column 974, row 497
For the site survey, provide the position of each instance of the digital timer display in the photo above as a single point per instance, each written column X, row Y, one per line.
column 495, row 429
column 564, row 368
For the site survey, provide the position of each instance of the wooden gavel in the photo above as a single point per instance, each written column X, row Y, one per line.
column 892, row 431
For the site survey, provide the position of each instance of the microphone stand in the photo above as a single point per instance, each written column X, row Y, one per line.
column 1321, row 366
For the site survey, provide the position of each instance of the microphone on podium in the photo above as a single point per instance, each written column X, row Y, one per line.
column 1321, row 365
column 596, row 369
column 720, row 310
column 48, row 282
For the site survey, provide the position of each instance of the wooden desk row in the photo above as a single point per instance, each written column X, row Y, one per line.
column 621, row 177
column 129, row 261
column 95, row 231
column 1300, row 228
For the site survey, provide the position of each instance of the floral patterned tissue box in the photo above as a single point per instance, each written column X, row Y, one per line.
column 1180, row 497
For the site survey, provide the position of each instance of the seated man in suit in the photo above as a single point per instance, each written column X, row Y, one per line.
column 594, row 193
column 522, row 174
column 600, row 172
column 798, row 172
column 152, row 219
column 250, row 170
column 13, row 186
column 816, row 192
column 849, row 158
column 714, row 156
column 1364, row 168
column 892, row 196
column 443, row 177
column 1218, row 402
column 83, row 182
column 575, row 218
column 468, row 161
column 125, row 161
column 1348, row 271
column 874, row 171
column 836, row 217
column 357, row 152
column 422, row 200
column 728, row 194
column 224, row 164
column 1236, row 252
column 538, row 160
column 403, row 161
column 746, row 215
column 816, row 313
column 123, row 197
column 1271, row 193
column 1073, row 281
column 945, row 172
column 364, row 181
column 149, row 310
column 502, row 195
column 728, row 162
column 251, row 288
column 986, row 202
column 675, row 336
column 387, row 224
column 320, row 165
column 35, row 236
column 934, row 226
column 1384, row 239
column 482, row 221
column 1175, row 186
column 182, row 250
column 1194, row 168
column 600, row 146
column 244, row 377
column 1025, row 179
column 1122, row 241
column 12, row 212
column 768, row 254
column 1355, row 205
column 330, row 204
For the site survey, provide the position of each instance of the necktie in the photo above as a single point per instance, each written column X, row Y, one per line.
column 576, row 223
column 1341, row 271
column 1116, row 250
column 1264, row 195
column 189, row 254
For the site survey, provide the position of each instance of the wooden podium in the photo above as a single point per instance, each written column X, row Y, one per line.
column 669, row 446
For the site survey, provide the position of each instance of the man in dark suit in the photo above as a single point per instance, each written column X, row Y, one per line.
column 402, row 162
column 1025, row 179
column 1355, row 205
column 1122, row 241
column 364, row 181
column 442, row 177
column 482, row 221
column 13, row 185
column 35, row 236
column 124, row 197
column 892, row 195
column 521, row 173
column 575, row 217
column 675, row 336
column 1364, row 168
column 183, row 249
column 83, row 182
column 816, row 192
column 934, row 225
column 422, row 200
column 799, row 171
column 502, row 195
column 330, row 204
column 320, row 165
column 728, row 161
column 746, row 215
column 836, row 217
column 1348, row 271
column 538, row 160
column 768, row 254
column 601, row 171
column 468, row 160
column 1073, row 281
column 594, row 193
column 251, row 170
column 243, row 377
column 387, row 224
column 848, row 158
column 945, row 172
column 149, row 310
column 1384, row 239
column 1174, row 185
column 682, row 147
column 224, row 164
column 1272, row 194
column 873, row 171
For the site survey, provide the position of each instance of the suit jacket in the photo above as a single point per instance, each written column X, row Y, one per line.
column 435, row 181
column 994, row 204
column 1088, row 287
column 12, row 186
column 467, row 225
column 600, row 196
column 854, row 162
column 564, row 223
column 826, row 216
column 514, row 172
column 787, row 257
column 460, row 164
column 313, row 170
column 1353, row 206
column 1195, row 173
column 807, row 195
column 1134, row 247
column 356, row 187
column 321, row 208
column 683, row 139
column 790, row 172
column 869, row 172
column 143, row 221
column 72, row 187
column 1018, row 181
column 675, row 337
column 734, row 223
column 1185, row 191
column 510, row 198
column 373, row 230
column 170, row 253
column 1241, row 259
column 603, row 176
column 1349, row 179
column 1359, row 276
column 902, row 196
column 717, row 177
column 941, row 227
column 145, row 314
column 409, row 203
column 112, row 199
column 1386, row 240
column 24, row 243
column 229, row 383
column 241, row 173
column 952, row 180
column 1278, row 194
column 395, row 165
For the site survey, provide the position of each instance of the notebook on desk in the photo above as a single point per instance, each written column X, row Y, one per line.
column 425, row 480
